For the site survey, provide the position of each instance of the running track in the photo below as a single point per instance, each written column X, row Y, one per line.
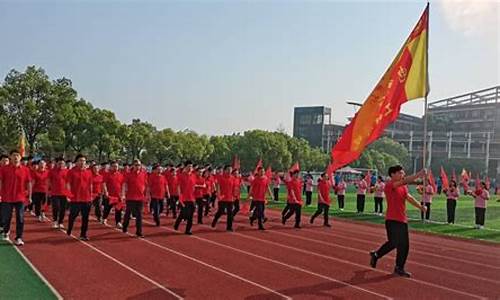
column 279, row 263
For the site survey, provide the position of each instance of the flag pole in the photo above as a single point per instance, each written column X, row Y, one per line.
column 424, row 154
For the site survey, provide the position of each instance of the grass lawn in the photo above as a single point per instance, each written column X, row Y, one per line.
column 464, row 215
column 17, row 279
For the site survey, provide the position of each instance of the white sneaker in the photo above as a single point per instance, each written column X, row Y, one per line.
column 5, row 237
column 119, row 225
column 341, row 209
column 55, row 225
column 481, row 227
column 43, row 215
column 61, row 226
column 476, row 226
column 105, row 222
column 19, row 242
column 40, row 218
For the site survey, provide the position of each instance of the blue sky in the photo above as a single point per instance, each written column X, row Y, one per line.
column 222, row 67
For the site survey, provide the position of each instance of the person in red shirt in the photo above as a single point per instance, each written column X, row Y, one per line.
column 113, row 181
column 209, row 191
column 15, row 187
column 173, row 188
column 97, row 190
column 58, row 192
column 225, row 191
column 294, row 186
column 187, row 182
column 134, row 192
column 40, row 176
column 324, row 186
column 80, row 186
column 157, row 189
column 199, row 191
column 396, row 192
column 236, row 191
column 259, row 186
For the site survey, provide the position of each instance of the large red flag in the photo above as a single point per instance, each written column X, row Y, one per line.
column 444, row 179
column 295, row 167
column 405, row 79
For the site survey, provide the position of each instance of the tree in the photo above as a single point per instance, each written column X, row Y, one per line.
column 29, row 101
column 136, row 136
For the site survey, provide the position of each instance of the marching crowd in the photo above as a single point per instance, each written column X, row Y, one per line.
column 79, row 186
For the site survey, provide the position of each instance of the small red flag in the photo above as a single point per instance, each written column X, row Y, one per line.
column 444, row 179
column 432, row 182
column 269, row 172
column 259, row 165
column 478, row 182
column 295, row 167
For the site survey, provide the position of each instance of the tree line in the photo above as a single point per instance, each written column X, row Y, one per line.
column 57, row 122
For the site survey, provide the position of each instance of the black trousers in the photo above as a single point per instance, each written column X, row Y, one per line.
column 39, row 199
column 236, row 207
column 200, row 205
column 379, row 206
column 450, row 209
column 7, row 208
column 107, row 210
column 340, row 199
column 207, row 204
column 172, row 205
column 276, row 194
column 294, row 209
column 161, row 206
column 75, row 208
column 213, row 199
column 155, row 209
column 360, row 203
column 258, row 213
column 59, row 204
column 397, row 236
column 134, row 208
column 308, row 198
column 187, row 212
column 427, row 213
column 322, row 208
column 226, row 207
column 480, row 213
column 97, row 207
column 286, row 209
column 1, row 218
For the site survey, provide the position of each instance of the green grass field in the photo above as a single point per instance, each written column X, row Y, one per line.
column 17, row 279
column 464, row 215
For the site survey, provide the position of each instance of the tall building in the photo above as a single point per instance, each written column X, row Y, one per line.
column 314, row 124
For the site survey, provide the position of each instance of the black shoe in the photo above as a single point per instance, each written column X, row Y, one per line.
column 140, row 235
column 373, row 259
column 311, row 221
column 124, row 230
column 251, row 221
column 327, row 225
column 401, row 272
column 188, row 233
column 157, row 224
column 68, row 233
column 176, row 227
column 262, row 228
column 265, row 219
column 230, row 229
column 213, row 225
column 283, row 220
column 84, row 238
column 297, row 226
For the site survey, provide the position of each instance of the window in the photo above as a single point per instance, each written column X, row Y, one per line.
column 305, row 120
column 318, row 119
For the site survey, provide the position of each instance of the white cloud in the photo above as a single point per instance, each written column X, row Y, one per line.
column 472, row 17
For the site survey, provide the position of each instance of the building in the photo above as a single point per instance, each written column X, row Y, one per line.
column 460, row 127
column 314, row 124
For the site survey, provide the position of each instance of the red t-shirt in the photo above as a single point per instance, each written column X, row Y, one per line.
column 186, row 184
column 396, row 202
column 136, row 185
column 157, row 184
column 226, row 182
column 114, row 181
column 236, row 188
column 294, row 187
column 173, row 185
column 258, row 188
column 80, row 181
column 40, row 181
column 324, row 189
column 210, row 185
column 14, row 183
column 199, row 192
column 58, row 179
column 97, row 181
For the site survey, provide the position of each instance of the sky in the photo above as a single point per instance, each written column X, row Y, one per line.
column 219, row 67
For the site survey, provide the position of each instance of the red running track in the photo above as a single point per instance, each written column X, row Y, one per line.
column 280, row 263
